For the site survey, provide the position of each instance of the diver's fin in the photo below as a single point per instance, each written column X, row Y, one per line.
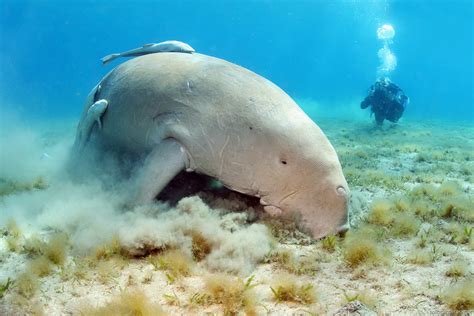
column 109, row 58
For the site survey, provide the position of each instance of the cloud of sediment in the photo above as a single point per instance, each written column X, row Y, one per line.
column 91, row 213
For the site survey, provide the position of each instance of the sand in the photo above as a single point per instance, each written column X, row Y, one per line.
column 378, row 163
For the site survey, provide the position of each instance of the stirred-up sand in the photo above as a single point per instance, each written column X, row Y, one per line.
column 69, row 248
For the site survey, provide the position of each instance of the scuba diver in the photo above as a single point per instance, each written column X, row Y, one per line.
column 387, row 101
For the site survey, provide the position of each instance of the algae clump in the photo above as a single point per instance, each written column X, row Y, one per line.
column 286, row 289
column 128, row 303
column 459, row 297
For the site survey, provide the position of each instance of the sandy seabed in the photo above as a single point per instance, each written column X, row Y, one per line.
column 68, row 250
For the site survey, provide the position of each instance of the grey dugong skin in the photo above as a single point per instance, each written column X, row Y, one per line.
column 230, row 124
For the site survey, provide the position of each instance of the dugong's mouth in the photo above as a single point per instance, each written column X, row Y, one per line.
column 271, row 209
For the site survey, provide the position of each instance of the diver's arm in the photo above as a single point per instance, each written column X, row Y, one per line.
column 366, row 103
column 369, row 98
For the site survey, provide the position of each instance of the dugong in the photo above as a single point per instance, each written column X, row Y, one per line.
column 203, row 114
column 167, row 46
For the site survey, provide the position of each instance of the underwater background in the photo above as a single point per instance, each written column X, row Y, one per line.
column 321, row 50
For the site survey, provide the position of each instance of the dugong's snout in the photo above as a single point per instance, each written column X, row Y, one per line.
column 321, row 213
column 332, row 215
column 324, row 213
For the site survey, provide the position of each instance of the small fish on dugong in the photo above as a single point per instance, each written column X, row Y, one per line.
column 199, row 113
column 93, row 115
column 167, row 46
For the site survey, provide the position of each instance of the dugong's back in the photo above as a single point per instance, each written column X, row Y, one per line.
column 196, row 90
column 198, row 113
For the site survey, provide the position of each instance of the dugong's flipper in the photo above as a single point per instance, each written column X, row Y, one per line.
column 94, row 115
column 166, row 46
column 159, row 168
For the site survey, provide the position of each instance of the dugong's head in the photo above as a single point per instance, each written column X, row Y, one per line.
column 301, row 173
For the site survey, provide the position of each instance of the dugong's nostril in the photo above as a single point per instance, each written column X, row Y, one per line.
column 341, row 191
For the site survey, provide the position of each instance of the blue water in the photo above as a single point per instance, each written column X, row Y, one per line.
column 322, row 50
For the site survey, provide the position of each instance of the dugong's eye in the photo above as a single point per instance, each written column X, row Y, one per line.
column 283, row 161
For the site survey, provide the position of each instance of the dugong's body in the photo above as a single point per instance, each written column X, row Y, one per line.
column 198, row 113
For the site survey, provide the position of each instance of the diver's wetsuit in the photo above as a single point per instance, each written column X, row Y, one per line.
column 387, row 101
